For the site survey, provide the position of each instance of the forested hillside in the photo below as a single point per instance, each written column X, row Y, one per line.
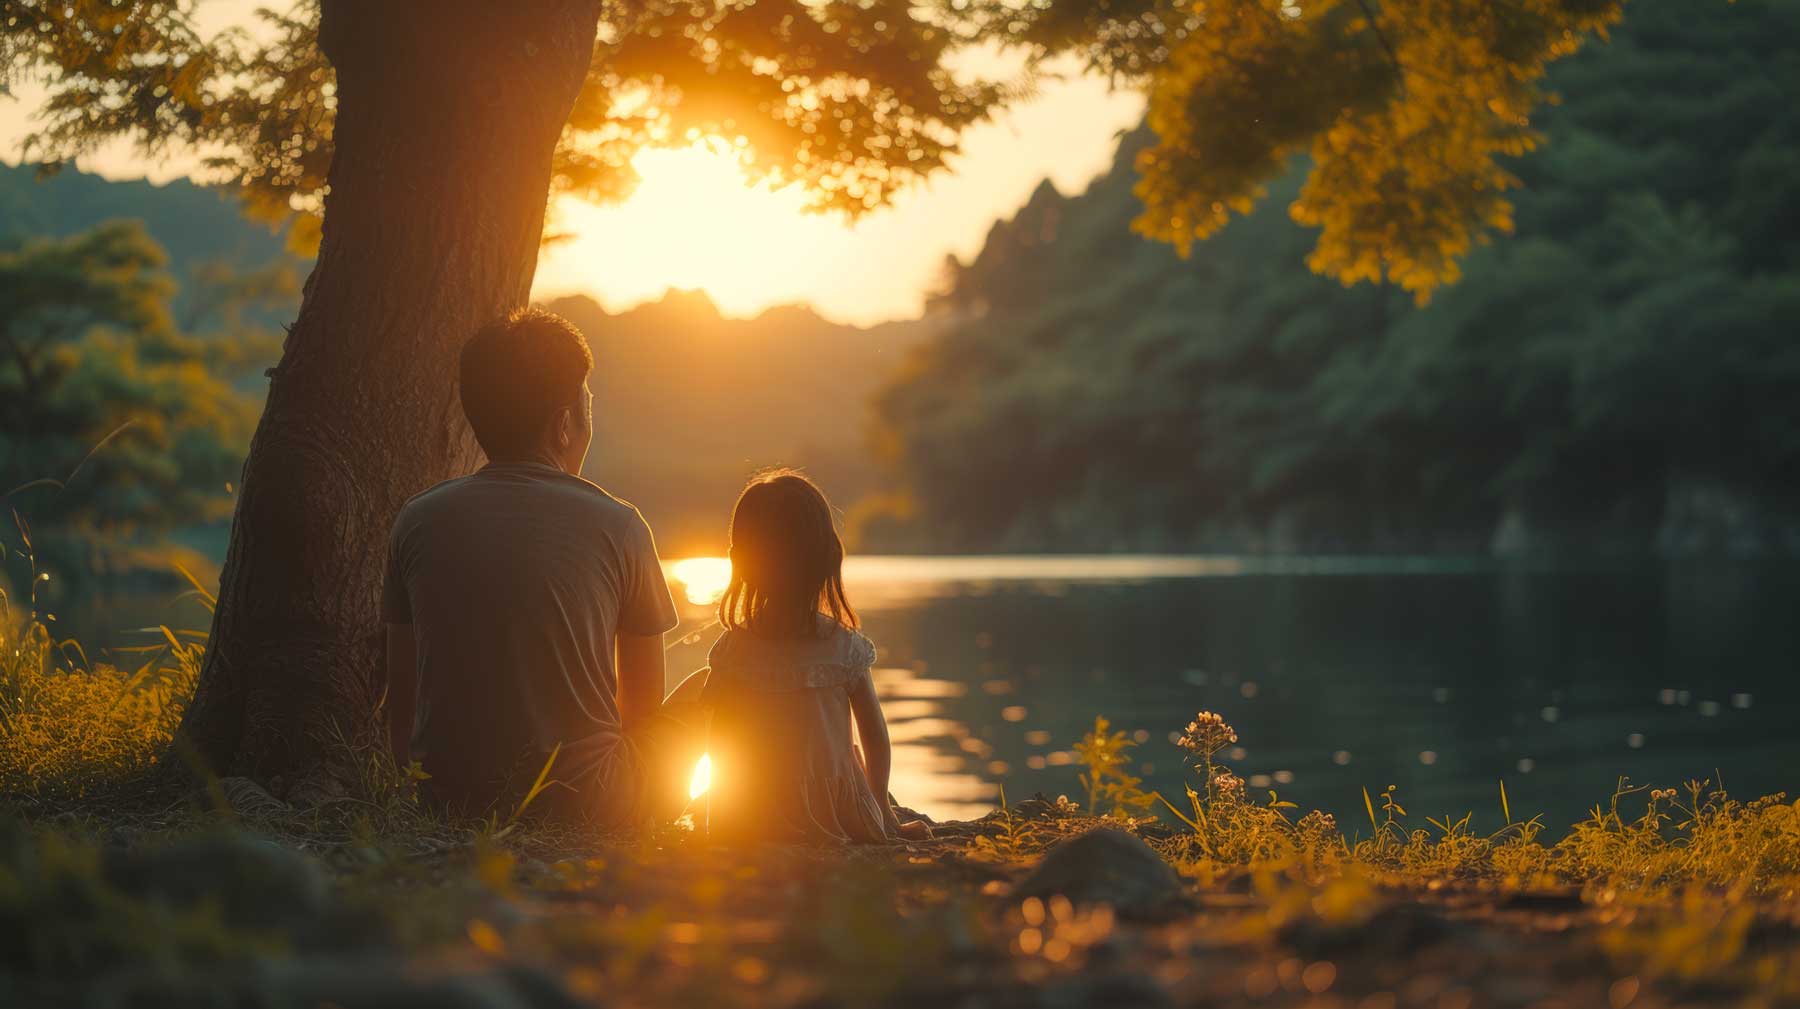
column 201, row 230
column 1617, row 375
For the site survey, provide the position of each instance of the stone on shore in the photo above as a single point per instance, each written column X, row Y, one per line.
column 1105, row 866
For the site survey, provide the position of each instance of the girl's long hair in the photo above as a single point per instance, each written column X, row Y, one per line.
column 787, row 562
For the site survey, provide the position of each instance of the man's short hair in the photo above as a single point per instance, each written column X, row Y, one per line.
column 517, row 371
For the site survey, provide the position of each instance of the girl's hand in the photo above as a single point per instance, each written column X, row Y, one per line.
column 916, row 830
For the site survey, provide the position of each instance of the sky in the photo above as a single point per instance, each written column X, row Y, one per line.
column 694, row 224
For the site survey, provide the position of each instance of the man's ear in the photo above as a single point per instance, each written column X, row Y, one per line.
column 564, row 422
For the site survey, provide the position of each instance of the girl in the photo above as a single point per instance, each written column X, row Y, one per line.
column 787, row 677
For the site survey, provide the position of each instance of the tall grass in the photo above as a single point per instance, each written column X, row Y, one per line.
column 69, row 725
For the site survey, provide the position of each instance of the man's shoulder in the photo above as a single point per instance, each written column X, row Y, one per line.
column 611, row 508
column 610, row 500
column 564, row 494
column 429, row 499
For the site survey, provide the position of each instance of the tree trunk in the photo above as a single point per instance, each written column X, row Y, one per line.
column 448, row 113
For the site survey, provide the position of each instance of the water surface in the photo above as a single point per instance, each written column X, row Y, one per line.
column 1440, row 678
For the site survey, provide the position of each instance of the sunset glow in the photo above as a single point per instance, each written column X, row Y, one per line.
column 703, row 579
column 693, row 223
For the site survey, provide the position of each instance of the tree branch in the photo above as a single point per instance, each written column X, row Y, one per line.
column 1375, row 26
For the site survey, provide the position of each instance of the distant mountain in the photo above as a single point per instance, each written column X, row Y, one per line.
column 688, row 404
column 195, row 224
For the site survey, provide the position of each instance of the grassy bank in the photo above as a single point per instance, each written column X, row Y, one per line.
column 229, row 898
column 111, row 894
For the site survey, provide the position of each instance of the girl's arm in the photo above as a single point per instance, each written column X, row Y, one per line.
column 871, row 728
column 878, row 757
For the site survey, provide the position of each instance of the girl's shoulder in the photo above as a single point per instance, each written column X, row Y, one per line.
column 836, row 656
column 848, row 645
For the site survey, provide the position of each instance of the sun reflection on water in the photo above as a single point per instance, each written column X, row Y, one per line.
column 927, row 772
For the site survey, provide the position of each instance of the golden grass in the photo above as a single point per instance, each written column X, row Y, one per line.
column 68, row 725
column 1677, row 839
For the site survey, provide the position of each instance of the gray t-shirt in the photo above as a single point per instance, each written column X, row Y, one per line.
column 515, row 580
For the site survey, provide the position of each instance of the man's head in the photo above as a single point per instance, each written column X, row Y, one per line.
column 524, row 389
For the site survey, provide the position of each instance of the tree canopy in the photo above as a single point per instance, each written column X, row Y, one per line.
column 114, row 420
column 1407, row 108
column 1624, row 365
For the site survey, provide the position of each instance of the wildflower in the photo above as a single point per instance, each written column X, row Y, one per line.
column 1207, row 734
column 1317, row 825
column 1228, row 787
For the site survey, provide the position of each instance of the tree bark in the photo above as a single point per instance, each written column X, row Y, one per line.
column 448, row 113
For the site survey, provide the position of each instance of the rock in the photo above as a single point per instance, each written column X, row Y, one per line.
column 250, row 800
column 1105, row 866
column 1038, row 807
column 256, row 883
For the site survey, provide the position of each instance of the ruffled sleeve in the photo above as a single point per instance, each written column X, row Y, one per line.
column 739, row 661
column 859, row 652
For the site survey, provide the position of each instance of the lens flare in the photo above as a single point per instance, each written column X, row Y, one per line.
column 702, row 777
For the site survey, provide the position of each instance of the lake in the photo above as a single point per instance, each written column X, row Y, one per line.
column 1441, row 678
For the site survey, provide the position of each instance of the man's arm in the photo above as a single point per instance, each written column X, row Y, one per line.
column 639, row 660
column 403, row 690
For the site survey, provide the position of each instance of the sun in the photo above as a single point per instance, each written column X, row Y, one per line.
column 703, row 579
column 694, row 223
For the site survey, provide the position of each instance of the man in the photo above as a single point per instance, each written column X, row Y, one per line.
column 526, row 606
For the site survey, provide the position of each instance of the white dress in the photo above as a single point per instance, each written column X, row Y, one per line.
column 785, row 768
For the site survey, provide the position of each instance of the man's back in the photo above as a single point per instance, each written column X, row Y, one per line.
column 516, row 580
